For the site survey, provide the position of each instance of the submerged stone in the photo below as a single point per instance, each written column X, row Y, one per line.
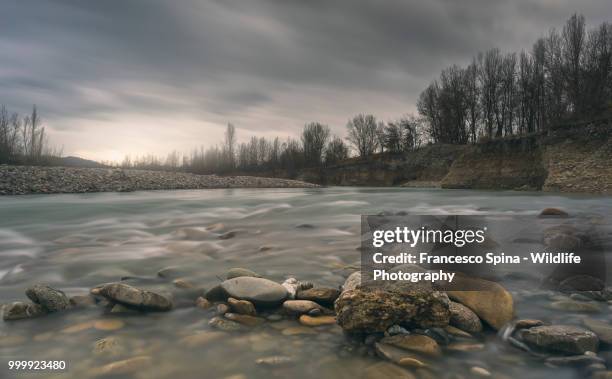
column 50, row 299
column 135, row 297
column 561, row 338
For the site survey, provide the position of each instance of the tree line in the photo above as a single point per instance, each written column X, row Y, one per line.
column 316, row 147
column 565, row 74
column 23, row 139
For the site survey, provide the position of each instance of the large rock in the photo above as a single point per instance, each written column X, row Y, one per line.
column 50, row 299
column 134, row 297
column 20, row 310
column 373, row 309
column 489, row 300
column 323, row 296
column 463, row 318
column 259, row 291
column 561, row 338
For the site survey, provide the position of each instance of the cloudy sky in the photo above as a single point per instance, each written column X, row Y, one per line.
column 112, row 77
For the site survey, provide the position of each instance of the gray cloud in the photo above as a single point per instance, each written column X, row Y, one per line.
column 131, row 75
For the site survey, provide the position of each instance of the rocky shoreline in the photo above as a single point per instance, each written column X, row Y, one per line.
column 22, row 180
column 405, row 328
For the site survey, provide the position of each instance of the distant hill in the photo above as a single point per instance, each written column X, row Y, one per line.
column 75, row 162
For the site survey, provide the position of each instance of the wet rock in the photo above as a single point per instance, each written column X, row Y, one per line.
column 397, row 355
column 245, row 319
column 135, row 297
column 574, row 360
column 480, row 372
column 463, row 318
column 412, row 363
column 109, row 346
column 414, row 342
column 300, row 307
column 323, row 296
column 396, row 329
column 228, row 235
column 77, row 328
column 489, row 300
column 20, row 310
column 274, row 317
column 553, row 212
column 222, row 309
column 438, row 334
column 124, row 367
column 352, row 281
column 275, row 361
column 465, row 347
column 203, row 303
column 375, row 309
column 182, row 283
column 453, row 331
column 562, row 237
column 317, row 321
column 50, row 299
column 118, row 308
column 561, row 338
column 581, row 283
column 386, row 370
column 259, row 291
column 527, row 323
column 602, row 375
column 201, row 339
column 601, row 328
column 297, row 330
column 225, row 325
column 292, row 285
column 238, row 272
column 242, row 307
column 109, row 325
column 575, row 306
column 170, row 272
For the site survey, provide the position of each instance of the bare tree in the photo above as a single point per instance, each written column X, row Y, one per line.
column 314, row 139
column 230, row 146
column 336, row 151
column 362, row 134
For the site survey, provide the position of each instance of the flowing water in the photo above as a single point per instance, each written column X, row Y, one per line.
column 74, row 242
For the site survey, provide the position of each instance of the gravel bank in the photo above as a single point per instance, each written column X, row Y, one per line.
column 21, row 180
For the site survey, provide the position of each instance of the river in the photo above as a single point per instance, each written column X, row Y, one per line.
column 74, row 242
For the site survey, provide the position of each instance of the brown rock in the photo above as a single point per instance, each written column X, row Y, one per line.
column 125, row 367
column 375, row 309
column 203, row 303
column 242, row 307
column 386, row 370
column 414, row 342
column 317, row 321
column 561, row 338
column 489, row 300
column 463, row 318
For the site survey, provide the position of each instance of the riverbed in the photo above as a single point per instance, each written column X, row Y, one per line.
column 77, row 241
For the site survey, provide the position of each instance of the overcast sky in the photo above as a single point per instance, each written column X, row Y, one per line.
column 112, row 77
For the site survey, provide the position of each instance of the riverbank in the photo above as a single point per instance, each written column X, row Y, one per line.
column 573, row 158
column 22, row 180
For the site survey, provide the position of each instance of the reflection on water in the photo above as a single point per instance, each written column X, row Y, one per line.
column 74, row 242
